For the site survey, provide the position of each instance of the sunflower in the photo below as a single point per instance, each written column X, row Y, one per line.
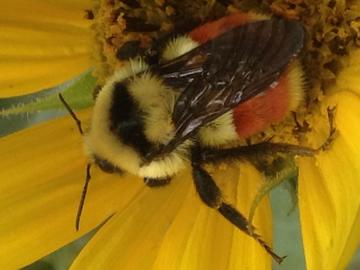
column 45, row 43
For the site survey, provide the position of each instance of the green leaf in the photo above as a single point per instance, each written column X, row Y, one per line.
column 77, row 93
column 286, row 173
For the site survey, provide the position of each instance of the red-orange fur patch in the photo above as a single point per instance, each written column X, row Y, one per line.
column 211, row 30
column 257, row 113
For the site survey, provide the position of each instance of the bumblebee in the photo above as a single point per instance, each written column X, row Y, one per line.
column 223, row 82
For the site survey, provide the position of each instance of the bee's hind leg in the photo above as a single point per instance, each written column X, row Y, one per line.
column 215, row 155
column 332, row 130
column 211, row 195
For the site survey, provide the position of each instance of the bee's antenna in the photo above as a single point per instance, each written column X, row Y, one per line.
column 71, row 112
column 83, row 195
column 88, row 167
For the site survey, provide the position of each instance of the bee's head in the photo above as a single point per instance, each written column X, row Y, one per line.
column 131, row 116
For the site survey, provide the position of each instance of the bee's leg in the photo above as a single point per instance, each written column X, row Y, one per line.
column 332, row 129
column 157, row 182
column 153, row 54
column 211, row 195
column 138, row 24
column 212, row 155
column 129, row 49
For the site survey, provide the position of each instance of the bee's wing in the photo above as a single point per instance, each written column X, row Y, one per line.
column 228, row 70
column 181, row 71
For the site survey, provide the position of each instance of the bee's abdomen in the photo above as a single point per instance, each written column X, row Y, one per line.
column 272, row 105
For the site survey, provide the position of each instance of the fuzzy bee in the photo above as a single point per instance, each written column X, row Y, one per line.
column 223, row 82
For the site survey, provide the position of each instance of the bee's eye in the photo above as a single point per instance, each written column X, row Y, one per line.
column 106, row 166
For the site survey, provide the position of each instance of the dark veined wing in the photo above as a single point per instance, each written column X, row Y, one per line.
column 228, row 70
column 179, row 72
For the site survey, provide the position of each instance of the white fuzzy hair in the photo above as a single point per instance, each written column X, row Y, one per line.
column 297, row 80
column 157, row 102
column 178, row 46
column 219, row 132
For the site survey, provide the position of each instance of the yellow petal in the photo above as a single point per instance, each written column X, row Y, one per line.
column 246, row 252
column 130, row 240
column 208, row 241
column 329, row 189
column 200, row 238
column 42, row 44
column 42, row 173
column 170, row 228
